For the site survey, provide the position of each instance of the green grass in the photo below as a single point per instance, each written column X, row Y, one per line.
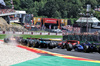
column 2, row 36
column 41, row 36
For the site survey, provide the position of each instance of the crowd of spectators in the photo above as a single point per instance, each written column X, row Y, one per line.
column 5, row 9
column 97, row 9
column 14, row 18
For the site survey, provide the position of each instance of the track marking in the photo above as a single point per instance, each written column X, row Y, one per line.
column 56, row 54
column 59, row 55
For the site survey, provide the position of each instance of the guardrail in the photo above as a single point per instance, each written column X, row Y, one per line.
column 47, row 33
column 30, row 33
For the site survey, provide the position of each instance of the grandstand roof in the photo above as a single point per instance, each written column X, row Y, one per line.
column 4, row 12
column 88, row 19
column 20, row 12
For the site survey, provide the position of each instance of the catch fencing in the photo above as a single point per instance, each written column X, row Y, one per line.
column 92, row 37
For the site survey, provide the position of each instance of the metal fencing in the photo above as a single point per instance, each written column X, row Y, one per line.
column 92, row 37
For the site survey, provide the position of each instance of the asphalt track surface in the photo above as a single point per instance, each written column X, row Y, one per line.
column 55, row 60
column 93, row 56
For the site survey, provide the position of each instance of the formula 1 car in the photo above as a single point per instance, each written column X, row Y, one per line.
column 88, row 47
column 19, row 40
column 61, row 44
column 55, row 42
column 10, row 39
column 45, row 43
column 38, row 43
column 78, row 47
column 30, row 42
column 52, row 44
column 6, row 40
column 41, row 43
column 91, row 47
column 70, row 44
column 22, row 41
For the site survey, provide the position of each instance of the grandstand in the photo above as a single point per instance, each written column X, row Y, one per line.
column 5, row 11
column 6, row 14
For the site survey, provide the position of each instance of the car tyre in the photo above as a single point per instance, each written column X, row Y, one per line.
column 69, row 47
column 37, row 45
column 5, row 40
column 86, row 49
column 99, row 50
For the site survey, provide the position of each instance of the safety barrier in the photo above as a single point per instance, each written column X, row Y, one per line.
column 47, row 33
column 83, row 37
column 30, row 33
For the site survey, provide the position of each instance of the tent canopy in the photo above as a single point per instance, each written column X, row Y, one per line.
column 88, row 19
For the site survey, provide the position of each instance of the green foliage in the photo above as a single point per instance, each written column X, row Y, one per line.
column 97, row 14
column 17, row 4
column 8, row 3
column 50, row 8
column 54, row 8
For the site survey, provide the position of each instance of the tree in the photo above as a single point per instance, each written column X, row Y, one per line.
column 17, row 4
column 38, row 7
column 8, row 3
column 92, row 2
column 61, row 7
column 54, row 8
column 50, row 8
column 26, row 5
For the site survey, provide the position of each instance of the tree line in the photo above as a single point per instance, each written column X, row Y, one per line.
column 55, row 8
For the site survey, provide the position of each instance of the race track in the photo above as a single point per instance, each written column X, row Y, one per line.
column 93, row 56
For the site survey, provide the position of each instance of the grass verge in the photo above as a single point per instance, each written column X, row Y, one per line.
column 41, row 36
column 2, row 36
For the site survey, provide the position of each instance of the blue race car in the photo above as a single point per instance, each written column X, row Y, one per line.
column 87, row 47
column 78, row 47
column 45, row 43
